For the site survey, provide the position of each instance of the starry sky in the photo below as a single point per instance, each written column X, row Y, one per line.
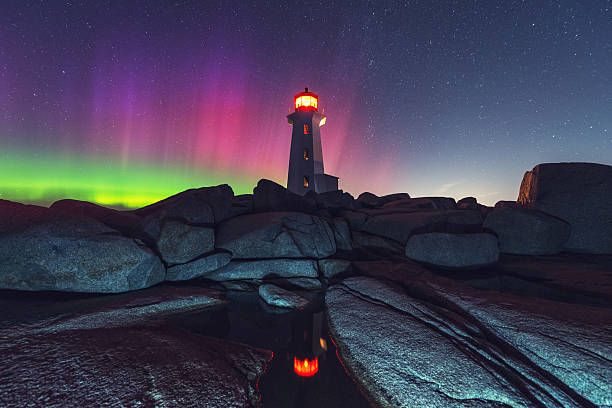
column 126, row 102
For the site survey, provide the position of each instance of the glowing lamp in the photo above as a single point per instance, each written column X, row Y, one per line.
column 306, row 367
column 306, row 101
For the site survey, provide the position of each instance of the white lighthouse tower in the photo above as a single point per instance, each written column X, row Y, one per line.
column 306, row 157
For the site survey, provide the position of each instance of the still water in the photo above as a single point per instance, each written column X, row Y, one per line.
column 305, row 370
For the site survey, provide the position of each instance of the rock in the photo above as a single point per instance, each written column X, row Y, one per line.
column 399, row 226
column 392, row 197
column 123, row 221
column 432, row 203
column 527, row 232
column 440, row 343
column 579, row 193
column 269, row 196
column 342, row 234
column 199, row 267
column 144, row 307
column 276, row 235
column 242, row 204
column 467, row 203
column 373, row 243
column 201, row 207
column 129, row 367
column 56, row 251
column 368, row 200
column 179, row 242
column 304, row 283
column 332, row 200
column 506, row 204
column 332, row 267
column 17, row 216
column 250, row 270
column 575, row 277
column 279, row 297
column 484, row 210
column 453, row 250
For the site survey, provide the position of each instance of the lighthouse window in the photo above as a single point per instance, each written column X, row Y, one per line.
column 306, row 154
column 305, row 129
column 305, row 181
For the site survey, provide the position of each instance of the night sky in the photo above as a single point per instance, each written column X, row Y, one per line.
column 127, row 102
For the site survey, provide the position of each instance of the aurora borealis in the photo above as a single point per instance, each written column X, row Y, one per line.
column 125, row 103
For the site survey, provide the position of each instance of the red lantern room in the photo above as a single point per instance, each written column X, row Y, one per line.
column 306, row 101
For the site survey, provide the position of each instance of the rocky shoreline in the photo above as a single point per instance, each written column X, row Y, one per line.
column 432, row 302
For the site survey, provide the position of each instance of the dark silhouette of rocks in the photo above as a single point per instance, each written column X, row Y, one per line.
column 467, row 203
column 201, row 207
column 122, row 221
column 209, row 232
column 270, row 196
column 506, row 204
column 522, row 322
column 579, row 193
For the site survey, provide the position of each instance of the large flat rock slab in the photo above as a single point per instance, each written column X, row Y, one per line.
column 433, row 342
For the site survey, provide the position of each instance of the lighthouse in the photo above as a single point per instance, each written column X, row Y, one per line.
column 306, row 171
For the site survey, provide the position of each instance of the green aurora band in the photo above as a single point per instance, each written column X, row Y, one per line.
column 42, row 178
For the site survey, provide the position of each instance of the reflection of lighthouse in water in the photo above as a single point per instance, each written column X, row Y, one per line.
column 307, row 344
column 306, row 171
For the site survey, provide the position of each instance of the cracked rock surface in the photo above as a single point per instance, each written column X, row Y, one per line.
column 277, row 235
column 430, row 341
